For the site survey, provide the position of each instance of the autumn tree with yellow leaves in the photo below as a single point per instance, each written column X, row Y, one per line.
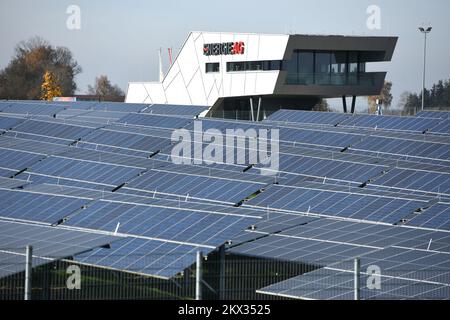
column 50, row 87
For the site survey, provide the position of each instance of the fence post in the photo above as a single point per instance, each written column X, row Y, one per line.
column 198, row 276
column 357, row 273
column 222, row 272
column 28, row 269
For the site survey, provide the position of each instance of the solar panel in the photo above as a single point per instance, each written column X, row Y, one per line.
column 416, row 180
column 405, row 274
column 48, row 242
column 324, row 118
column 8, row 183
column 140, row 142
column 6, row 123
column 150, row 257
column 33, row 108
column 412, row 149
column 338, row 204
column 100, row 117
column 178, row 110
column 435, row 217
column 416, row 124
column 102, row 106
column 193, row 186
column 442, row 128
column 50, row 131
column 17, row 160
column 327, row 168
column 156, row 121
column 162, row 222
column 21, row 205
column 434, row 114
column 61, row 170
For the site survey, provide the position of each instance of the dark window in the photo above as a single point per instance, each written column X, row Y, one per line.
column 212, row 67
column 306, row 62
column 254, row 65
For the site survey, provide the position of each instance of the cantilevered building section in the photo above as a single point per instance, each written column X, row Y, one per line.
column 250, row 76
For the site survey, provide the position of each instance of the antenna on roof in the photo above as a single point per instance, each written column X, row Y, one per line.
column 161, row 73
column 170, row 56
column 429, row 244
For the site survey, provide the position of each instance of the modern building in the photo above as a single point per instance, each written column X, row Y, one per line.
column 249, row 76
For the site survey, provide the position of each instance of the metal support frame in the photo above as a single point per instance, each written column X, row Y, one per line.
column 259, row 108
column 353, row 104
column 28, row 270
column 344, row 103
column 356, row 278
column 251, row 109
column 198, row 276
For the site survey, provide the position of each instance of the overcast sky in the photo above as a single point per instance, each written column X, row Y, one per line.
column 121, row 38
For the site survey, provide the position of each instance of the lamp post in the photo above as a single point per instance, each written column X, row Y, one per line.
column 425, row 31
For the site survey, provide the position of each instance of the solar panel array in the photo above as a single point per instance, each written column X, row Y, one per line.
column 347, row 186
column 48, row 244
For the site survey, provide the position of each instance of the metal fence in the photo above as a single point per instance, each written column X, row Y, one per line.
column 220, row 276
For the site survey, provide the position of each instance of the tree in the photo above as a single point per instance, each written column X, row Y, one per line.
column 22, row 78
column 49, row 87
column 385, row 96
column 438, row 97
column 322, row 105
column 410, row 102
column 104, row 89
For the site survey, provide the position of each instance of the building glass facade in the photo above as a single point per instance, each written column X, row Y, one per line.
column 326, row 68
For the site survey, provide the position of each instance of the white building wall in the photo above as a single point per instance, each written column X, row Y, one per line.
column 186, row 82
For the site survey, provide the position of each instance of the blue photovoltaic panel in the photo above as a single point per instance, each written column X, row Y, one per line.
column 8, row 183
column 416, row 180
column 339, row 204
column 168, row 223
column 434, row 114
column 150, row 257
column 156, row 121
column 50, row 131
column 101, row 117
column 406, row 274
column 337, row 140
column 123, row 140
column 56, row 169
column 177, row 110
column 102, row 106
column 43, row 109
column 48, row 242
column 17, row 160
column 435, row 217
column 328, row 168
column 442, row 128
column 192, row 186
column 295, row 116
column 404, row 147
column 7, row 123
column 414, row 124
column 49, row 209
column 308, row 251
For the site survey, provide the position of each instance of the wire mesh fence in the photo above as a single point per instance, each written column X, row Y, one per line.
column 223, row 277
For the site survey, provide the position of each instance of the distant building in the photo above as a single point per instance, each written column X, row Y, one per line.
column 249, row 76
